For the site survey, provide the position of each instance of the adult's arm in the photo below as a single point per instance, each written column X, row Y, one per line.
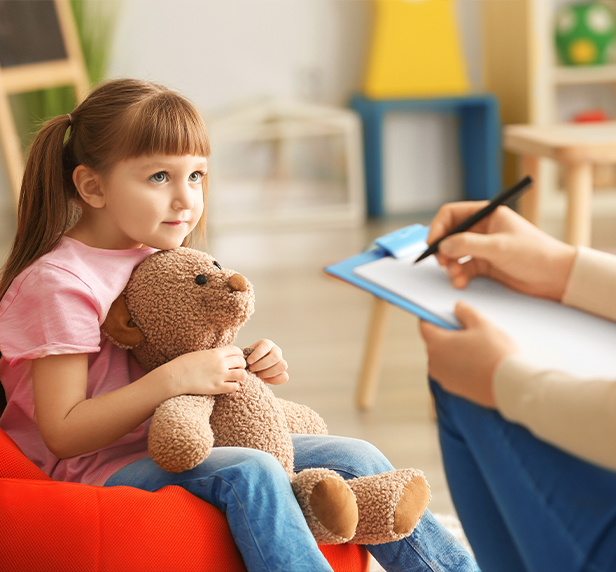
column 576, row 415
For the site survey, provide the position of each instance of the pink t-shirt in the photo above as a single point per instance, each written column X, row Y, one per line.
column 57, row 306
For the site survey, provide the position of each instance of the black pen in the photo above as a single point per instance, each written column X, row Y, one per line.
column 480, row 214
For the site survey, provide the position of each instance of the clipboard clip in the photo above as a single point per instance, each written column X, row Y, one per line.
column 404, row 242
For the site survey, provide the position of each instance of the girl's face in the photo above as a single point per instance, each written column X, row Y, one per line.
column 153, row 200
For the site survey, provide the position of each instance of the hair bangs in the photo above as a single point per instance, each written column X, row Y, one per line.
column 164, row 125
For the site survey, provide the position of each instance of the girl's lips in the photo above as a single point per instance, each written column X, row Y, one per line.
column 175, row 222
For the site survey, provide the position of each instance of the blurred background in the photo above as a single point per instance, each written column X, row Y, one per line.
column 274, row 80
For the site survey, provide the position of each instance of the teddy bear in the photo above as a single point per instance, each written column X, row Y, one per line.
column 183, row 300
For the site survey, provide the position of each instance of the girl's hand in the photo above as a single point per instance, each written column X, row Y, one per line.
column 464, row 361
column 503, row 246
column 266, row 362
column 208, row 372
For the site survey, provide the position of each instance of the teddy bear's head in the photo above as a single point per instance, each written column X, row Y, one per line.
column 179, row 301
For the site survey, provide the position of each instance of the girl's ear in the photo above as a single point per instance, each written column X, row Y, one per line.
column 89, row 186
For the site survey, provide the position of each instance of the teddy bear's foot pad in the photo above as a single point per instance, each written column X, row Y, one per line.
column 390, row 505
column 328, row 504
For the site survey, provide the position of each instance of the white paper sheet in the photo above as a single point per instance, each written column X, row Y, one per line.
column 548, row 334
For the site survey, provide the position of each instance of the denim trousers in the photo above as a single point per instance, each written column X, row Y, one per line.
column 525, row 505
column 270, row 531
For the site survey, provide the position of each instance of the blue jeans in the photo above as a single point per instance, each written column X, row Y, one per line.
column 266, row 522
column 524, row 504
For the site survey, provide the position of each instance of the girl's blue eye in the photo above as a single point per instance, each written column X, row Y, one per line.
column 160, row 177
column 195, row 177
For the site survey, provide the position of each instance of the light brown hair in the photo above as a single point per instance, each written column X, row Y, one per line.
column 120, row 119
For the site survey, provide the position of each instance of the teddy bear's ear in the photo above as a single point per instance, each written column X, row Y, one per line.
column 119, row 325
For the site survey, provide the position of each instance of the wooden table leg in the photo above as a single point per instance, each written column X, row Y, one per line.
column 578, row 180
column 373, row 353
column 529, row 201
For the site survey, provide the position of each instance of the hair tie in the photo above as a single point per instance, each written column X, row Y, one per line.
column 70, row 119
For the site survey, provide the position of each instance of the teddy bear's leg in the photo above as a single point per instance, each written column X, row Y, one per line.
column 301, row 419
column 390, row 505
column 180, row 435
column 328, row 504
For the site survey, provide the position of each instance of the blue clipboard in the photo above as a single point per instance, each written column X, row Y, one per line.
column 392, row 244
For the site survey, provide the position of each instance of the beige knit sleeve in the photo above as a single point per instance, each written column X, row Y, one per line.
column 592, row 284
column 578, row 416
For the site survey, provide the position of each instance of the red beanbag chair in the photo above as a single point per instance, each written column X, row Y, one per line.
column 52, row 526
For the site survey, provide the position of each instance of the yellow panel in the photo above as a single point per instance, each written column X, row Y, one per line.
column 415, row 50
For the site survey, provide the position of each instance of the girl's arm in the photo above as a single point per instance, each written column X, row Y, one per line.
column 71, row 424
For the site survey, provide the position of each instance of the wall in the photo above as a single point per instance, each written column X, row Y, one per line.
column 225, row 53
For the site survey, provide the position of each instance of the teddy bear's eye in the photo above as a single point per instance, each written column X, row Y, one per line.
column 217, row 265
column 201, row 279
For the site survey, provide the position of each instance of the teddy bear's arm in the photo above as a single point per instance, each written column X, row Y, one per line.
column 180, row 435
column 301, row 419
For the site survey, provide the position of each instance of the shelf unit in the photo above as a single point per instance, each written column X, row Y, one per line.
column 520, row 67
column 569, row 75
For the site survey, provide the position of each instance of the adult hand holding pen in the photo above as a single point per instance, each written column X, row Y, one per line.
column 503, row 246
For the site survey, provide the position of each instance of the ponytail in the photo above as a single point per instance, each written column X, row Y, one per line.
column 45, row 207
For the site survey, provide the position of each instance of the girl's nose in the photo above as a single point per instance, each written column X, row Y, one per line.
column 183, row 198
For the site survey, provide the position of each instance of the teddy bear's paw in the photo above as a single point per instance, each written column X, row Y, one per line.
column 328, row 504
column 390, row 505
column 180, row 435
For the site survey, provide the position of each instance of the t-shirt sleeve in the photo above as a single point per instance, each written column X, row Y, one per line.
column 49, row 311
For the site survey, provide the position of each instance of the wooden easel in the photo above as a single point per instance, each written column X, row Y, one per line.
column 39, row 49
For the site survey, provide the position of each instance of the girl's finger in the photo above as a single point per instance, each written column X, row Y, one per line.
column 229, row 351
column 236, row 362
column 275, row 369
column 270, row 360
column 260, row 349
column 229, row 387
column 277, row 380
column 235, row 375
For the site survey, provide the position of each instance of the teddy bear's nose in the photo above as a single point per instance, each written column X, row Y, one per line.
column 238, row 283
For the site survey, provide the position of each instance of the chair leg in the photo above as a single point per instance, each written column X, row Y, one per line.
column 373, row 353
column 529, row 201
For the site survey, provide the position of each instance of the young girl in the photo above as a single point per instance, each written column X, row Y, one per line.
column 134, row 167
